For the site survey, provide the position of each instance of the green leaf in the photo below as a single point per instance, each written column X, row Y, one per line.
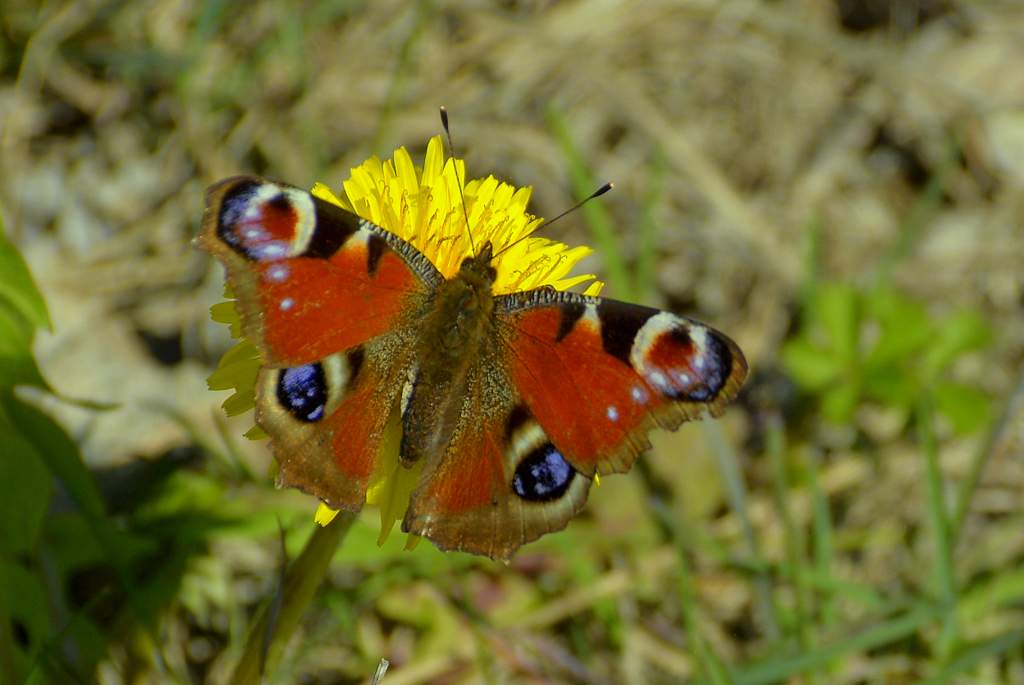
column 58, row 451
column 70, row 542
column 255, row 433
column 836, row 309
column 811, row 367
column 892, row 307
column 26, row 496
column 238, row 369
column 905, row 327
column 65, row 463
column 1002, row 591
column 17, row 365
column 17, row 286
column 839, row 402
column 891, row 386
column 961, row 333
column 967, row 408
column 24, row 598
column 227, row 313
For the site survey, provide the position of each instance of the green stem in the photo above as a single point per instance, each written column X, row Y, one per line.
column 793, row 536
column 939, row 521
column 710, row 663
column 969, row 484
column 824, row 547
column 277, row 619
column 674, row 530
column 736, row 491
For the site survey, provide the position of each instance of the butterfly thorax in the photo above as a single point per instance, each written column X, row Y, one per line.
column 455, row 331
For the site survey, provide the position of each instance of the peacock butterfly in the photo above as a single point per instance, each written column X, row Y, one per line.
column 511, row 402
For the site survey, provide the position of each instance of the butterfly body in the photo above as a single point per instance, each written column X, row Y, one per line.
column 456, row 331
column 510, row 402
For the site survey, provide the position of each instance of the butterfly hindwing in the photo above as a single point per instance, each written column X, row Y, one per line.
column 331, row 300
column 500, row 482
column 327, row 419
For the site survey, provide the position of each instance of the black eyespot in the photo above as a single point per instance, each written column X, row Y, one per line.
column 303, row 391
column 544, row 475
column 280, row 202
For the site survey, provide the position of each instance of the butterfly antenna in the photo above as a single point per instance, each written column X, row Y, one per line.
column 597, row 193
column 462, row 197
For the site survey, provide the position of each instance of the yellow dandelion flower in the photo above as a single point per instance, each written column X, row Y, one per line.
column 428, row 207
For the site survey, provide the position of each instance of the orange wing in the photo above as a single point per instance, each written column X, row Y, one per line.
column 500, row 483
column 598, row 374
column 311, row 278
column 332, row 301
column 570, row 387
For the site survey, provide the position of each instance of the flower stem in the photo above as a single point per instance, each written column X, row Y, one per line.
column 279, row 616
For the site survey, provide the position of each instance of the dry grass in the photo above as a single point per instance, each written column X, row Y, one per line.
column 890, row 148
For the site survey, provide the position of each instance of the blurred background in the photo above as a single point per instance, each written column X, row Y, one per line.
column 837, row 184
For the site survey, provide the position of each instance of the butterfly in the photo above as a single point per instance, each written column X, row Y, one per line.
column 511, row 402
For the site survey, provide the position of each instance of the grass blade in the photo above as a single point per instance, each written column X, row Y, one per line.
column 824, row 545
column 779, row 670
column 974, row 655
column 736, row 490
column 599, row 221
column 969, row 484
column 647, row 252
column 938, row 519
column 794, row 563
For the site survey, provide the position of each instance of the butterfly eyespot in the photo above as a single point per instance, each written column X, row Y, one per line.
column 712, row 366
column 265, row 222
column 543, row 475
column 679, row 359
column 302, row 390
column 280, row 202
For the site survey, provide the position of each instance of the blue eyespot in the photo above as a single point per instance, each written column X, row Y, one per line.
column 544, row 475
column 302, row 390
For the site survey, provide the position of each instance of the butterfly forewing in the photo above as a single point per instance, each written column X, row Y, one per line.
column 310, row 278
column 598, row 374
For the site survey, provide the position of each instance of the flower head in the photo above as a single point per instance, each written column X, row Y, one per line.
column 434, row 209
